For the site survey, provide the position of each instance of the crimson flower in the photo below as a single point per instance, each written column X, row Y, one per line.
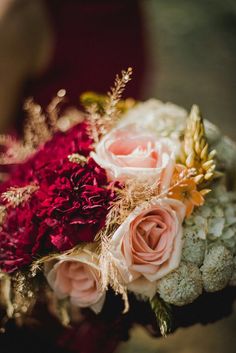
column 69, row 207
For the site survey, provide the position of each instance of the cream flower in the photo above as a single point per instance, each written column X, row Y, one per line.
column 163, row 119
column 77, row 277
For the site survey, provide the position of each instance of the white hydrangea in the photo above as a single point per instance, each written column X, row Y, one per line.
column 164, row 119
column 226, row 157
column 226, row 152
column 215, row 221
column 194, row 248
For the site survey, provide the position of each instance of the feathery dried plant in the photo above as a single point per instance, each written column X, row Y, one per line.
column 101, row 121
column 39, row 128
column 16, row 196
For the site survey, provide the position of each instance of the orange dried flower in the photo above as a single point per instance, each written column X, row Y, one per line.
column 186, row 191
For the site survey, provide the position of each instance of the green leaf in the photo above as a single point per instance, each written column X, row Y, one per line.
column 163, row 314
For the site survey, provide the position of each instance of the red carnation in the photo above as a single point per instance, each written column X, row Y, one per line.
column 76, row 140
column 75, row 206
column 69, row 207
column 62, row 213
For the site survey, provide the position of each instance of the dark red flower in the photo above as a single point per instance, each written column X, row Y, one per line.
column 75, row 206
column 76, row 140
column 69, row 207
column 17, row 239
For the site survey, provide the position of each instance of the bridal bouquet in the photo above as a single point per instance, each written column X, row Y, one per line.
column 129, row 198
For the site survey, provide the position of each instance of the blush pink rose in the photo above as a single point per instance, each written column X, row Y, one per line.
column 148, row 244
column 77, row 277
column 130, row 152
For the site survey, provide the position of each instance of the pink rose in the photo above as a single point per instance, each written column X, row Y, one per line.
column 149, row 243
column 77, row 277
column 131, row 152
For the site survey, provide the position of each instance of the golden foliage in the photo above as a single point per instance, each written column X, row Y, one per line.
column 38, row 264
column 17, row 296
column 3, row 213
column 39, row 128
column 69, row 118
column 15, row 151
column 110, row 275
column 114, row 96
column 36, row 129
column 89, row 98
column 101, row 122
column 77, row 158
column 196, row 149
column 16, row 196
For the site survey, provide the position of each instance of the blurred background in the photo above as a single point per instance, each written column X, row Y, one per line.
column 192, row 46
column 182, row 51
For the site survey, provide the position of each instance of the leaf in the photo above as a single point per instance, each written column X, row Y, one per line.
column 163, row 314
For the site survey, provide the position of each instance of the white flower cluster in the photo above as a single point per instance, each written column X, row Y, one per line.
column 209, row 251
column 215, row 221
column 164, row 119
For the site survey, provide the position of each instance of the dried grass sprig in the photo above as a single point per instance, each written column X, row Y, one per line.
column 115, row 93
column 89, row 98
column 16, row 196
column 37, row 264
column 78, row 158
column 36, row 130
column 40, row 126
column 110, row 275
column 16, row 151
column 53, row 110
column 95, row 123
column 101, row 121
column 3, row 213
column 69, row 118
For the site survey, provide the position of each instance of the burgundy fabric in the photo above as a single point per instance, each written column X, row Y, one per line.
column 94, row 40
